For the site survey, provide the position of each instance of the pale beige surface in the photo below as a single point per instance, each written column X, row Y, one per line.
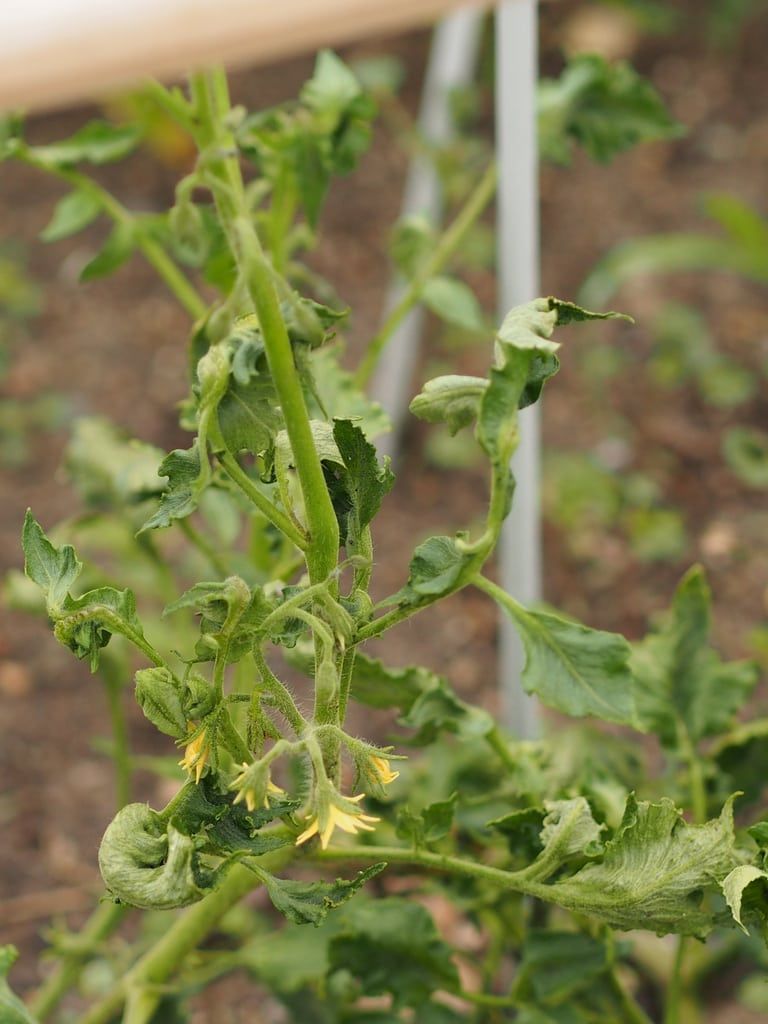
column 57, row 52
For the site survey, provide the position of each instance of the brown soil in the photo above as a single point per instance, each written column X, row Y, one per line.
column 117, row 349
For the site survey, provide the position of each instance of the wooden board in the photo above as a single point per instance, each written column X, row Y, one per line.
column 56, row 52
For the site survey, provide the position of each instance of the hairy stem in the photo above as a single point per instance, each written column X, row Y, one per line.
column 276, row 516
column 445, row 248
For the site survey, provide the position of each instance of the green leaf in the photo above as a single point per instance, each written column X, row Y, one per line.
column 53, row 569
column 605, row 107
column 522, row 830
column 108, row 468
column 185, row 485
column 147, row 862
column 98, row 142
column 654, row 872
column 745, row 450
column 392, row 946
column 452, row 399
column 413, row 241
column 358, row 489
column 310, row 902
column 339, row 396
column 680, row 679
column 117, row 249
column 453, row 301
column 86, row 623
column 378, row 686
column 556, row 966
column 12, row 1010
column 438, row 709
column 332, row 88
column 73, row 213
column 574, row 669
column 160, row 696
column 746, row 893
column 436, row 569
column 741, row 758
column 429, row 825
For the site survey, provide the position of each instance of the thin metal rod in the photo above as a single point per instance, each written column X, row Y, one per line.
column 518, row 277
column 452, row 61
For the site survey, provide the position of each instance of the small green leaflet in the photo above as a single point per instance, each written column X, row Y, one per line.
column 575, row 669
column 378, row 686
column 680, row 680
column 438, row 709
column 746, row 892
column 453, row 400
column 356, row 490
column 392, row 946
column 436, row 568
column 429, row 825
column 116, row 250
column 183, row 469
column 605, row 107
column 54, row 570
column 311, row 902
column 654, row 872
column 453, row 301
column 98, row 142
column 12, row 1010
column 73, row 213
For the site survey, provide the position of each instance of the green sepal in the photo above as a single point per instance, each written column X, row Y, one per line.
column 311, row 902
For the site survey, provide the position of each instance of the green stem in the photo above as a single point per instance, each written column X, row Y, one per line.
column 174, row 279
column 203, row 546
column 445, row 248
column 632, row 1012
column 674, row 997
column 276, row 516
column 345, row 682
column 181, row 938
column 501, row 748
column 323, row 549
column 281, row 697
column 101, row 924
column 120, row 749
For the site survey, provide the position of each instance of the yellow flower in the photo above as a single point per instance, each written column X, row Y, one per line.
column 346, row 817
column 196, row 753
column 382, row 770
column 250, row 788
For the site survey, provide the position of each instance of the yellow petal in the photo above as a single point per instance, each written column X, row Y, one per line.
column 308, row 833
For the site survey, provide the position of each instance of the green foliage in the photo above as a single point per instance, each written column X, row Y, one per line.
column 277, row 492
column 604, row 107
column 746, row 452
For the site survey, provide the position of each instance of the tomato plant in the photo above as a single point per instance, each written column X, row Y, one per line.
column 568, row 856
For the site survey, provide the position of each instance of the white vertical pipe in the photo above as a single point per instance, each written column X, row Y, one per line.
column 452, row 60
column 518, row 277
